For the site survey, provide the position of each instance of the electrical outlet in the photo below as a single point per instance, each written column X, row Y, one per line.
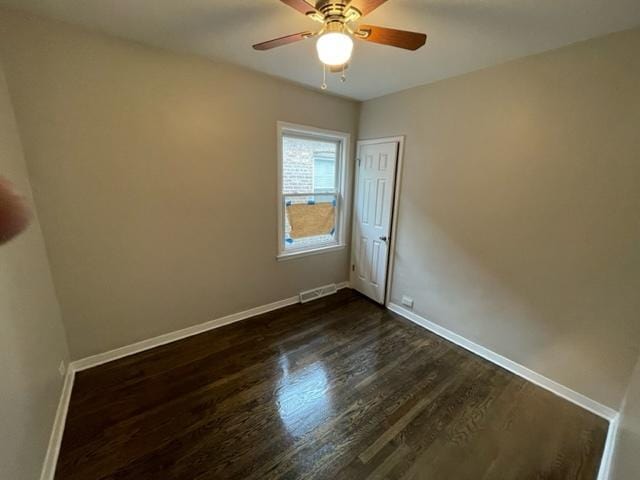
column 62, row 368
column 407, row 301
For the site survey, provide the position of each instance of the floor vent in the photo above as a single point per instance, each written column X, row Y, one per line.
column 319, row 292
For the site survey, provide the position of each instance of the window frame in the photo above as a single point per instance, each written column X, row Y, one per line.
column 342, row 194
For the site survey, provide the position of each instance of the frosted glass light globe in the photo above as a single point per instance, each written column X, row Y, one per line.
column 334, row 48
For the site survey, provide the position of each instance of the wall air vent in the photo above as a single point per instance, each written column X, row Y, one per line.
column 319, row 292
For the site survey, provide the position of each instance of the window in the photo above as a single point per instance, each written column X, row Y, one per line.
column 312, row 176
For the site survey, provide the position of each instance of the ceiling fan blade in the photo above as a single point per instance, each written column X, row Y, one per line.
column 366, row 6
column 279, row 42
column 392, row 37
column 301, row 6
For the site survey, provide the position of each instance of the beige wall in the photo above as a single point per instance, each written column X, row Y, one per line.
column 519, row 213
column 626, row 465
column 32, row 340
column 155, row 178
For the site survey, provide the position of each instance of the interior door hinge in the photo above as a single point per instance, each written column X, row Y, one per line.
column 353, row 267
column 359, row 161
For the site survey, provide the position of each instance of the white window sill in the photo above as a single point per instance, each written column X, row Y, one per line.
column 307, row 252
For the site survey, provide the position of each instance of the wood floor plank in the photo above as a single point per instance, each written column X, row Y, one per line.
column 336, row 388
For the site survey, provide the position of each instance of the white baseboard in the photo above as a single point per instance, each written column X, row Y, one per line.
column 55, row 439
column 111, row 355
column 534, row 377
column 101, row 358
column 572, row 396
column 604, row 473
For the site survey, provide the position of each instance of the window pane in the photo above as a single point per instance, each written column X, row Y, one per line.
column 310, row 221
column 324, row 172
column 308, row 165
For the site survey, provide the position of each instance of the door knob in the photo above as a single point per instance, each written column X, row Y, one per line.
column 384, row 239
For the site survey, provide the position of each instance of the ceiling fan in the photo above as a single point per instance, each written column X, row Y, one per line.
column 335, row 42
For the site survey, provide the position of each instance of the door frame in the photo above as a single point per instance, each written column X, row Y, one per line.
column 394, row 209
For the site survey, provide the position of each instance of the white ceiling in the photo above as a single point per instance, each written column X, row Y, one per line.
column 464, row 35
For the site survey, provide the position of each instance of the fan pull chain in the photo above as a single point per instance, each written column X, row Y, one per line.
column 343, row 77
column 324, row 77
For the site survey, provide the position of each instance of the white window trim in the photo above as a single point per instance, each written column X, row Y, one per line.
column 343, row 199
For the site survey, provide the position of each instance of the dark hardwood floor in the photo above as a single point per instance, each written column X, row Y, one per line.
column 338, row 389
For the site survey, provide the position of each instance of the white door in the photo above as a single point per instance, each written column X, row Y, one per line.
column 372, row 212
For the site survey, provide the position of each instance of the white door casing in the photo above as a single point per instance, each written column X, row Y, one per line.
column 372, row 217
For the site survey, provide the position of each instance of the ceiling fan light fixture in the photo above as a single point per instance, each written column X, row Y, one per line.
column 334, row 48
